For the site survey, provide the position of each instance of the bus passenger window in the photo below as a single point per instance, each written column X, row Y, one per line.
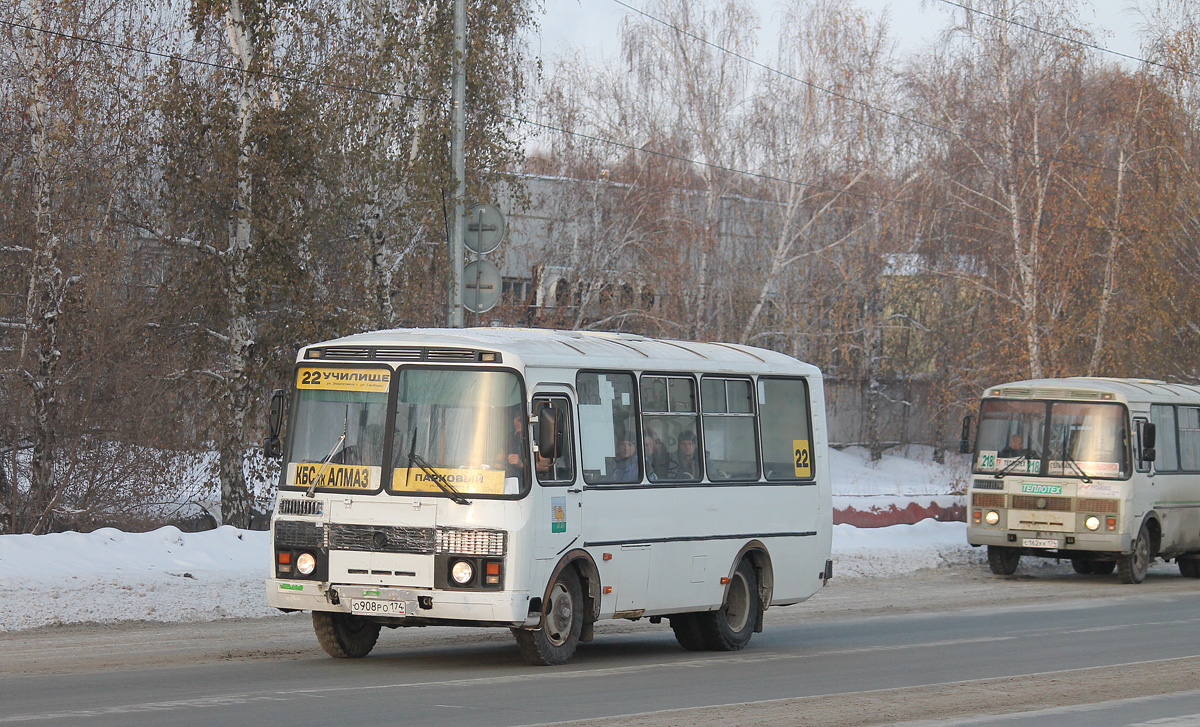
column 730, row 446
column 669, row 424
column 785, row 429
column 608, row 427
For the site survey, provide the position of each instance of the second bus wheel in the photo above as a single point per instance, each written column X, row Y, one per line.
column 1002, row 560
column 555, row 641
column 730, row 627
column 345, row 636
column 1132, row 566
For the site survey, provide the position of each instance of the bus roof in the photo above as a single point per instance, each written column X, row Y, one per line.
column 1093, row 387
column 554, row 348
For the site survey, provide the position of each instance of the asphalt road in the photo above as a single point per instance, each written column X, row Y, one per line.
column 969, row 650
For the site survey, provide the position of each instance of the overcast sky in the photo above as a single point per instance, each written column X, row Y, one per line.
column 593, row 24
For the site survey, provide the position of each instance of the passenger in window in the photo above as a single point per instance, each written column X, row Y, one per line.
column 659, row 464
column 513, row 456
column 687, row 457
column 1016, row 448
column 625, row 468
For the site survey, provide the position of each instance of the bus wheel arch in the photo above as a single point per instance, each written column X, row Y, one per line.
column 760, row 560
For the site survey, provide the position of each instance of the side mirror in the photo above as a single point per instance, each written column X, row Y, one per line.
column 549, row 433
column 1148, row 437
column 964, row 444
column 272, row 447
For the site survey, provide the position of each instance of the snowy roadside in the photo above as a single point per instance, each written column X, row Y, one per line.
column 167, row 575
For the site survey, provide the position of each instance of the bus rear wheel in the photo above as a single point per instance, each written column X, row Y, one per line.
column 1082, row 566
column 1103, row 567
column 1003, row 561
column 555, row 641
column 344, row 636
column 1132, row 566
column 730, row 627
column 1188, row 568
column 687, row 631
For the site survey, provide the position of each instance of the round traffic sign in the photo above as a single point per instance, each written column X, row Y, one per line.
column 481, row 286
column 485, row 228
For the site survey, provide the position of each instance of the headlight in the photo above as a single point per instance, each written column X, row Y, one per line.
column 1092, row 523
column 306, row 564
column 992, row 517
column 462, row 572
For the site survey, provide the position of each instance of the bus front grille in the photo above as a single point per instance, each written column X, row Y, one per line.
column 1092, row 504
column 381, row 538
column 298, row 534
column 987, row 499
column 1038, row 502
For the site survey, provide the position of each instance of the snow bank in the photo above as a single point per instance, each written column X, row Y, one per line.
column 167, row 575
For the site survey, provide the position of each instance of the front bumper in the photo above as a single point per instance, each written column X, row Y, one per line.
column 427, row 605
column 1081, row 542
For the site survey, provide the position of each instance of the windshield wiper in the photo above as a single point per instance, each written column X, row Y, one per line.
column 1066, row 457
column 1012, row 465
column 312, row 489
column 437, row 478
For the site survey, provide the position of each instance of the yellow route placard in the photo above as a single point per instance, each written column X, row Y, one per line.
column 803, row 457
column 373, row 380
column 479, row 482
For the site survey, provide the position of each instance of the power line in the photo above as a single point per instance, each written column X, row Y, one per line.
column 869, row 106
column 519, row 119
column 1066, row 39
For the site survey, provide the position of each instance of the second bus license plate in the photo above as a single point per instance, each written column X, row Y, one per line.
column 370, row 607
column 1039, row 543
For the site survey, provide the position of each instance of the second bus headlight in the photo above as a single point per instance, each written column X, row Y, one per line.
column 992, row 517
column 306, row 564
column 1092, row 523
column 462, row 572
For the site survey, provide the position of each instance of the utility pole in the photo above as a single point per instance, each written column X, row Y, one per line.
column 454, row 316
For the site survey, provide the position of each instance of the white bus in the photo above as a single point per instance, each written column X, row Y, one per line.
column 658, row 479
column 1105, row 472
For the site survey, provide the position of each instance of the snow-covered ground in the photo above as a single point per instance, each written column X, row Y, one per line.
column 167, row 575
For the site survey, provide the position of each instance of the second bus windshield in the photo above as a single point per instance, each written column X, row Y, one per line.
column 1052, row 438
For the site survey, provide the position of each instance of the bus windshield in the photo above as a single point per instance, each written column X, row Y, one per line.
column 462, row 429
column 340, row 415
column 1052, row 438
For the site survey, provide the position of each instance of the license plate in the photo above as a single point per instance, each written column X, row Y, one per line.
column 1039, row 543
column 369, row 607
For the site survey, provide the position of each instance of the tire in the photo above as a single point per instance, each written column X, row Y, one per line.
column 555, row 641
column 1082, row 566
column 1188, row 568
column 1132, row 566
column 1003, row 561
column 344, row 636
column 730, row 627
column 1103, row 567
column 687, row 631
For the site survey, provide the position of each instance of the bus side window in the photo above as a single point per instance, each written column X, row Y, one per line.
column 608, row 427
column 730, row 446
column 1167, row 459
column 785, row 432
column 558, row 469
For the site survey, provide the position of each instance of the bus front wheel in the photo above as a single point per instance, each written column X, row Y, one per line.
column 344, row 636
column 1132, row 566
column 730, row 627
column 555, row 641
column 1003, row 561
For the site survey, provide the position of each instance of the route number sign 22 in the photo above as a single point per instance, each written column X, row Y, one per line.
column 803, row 457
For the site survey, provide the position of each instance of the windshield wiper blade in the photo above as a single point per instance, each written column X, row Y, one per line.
column 1066, row 457
column 1012, row 465
column 438, row 479
column 312, row 489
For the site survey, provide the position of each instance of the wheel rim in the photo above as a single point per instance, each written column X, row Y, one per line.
column 559, row 615
column 1139, row 558
column 737, row 603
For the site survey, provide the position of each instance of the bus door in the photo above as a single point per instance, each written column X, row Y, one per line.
column 557, row 490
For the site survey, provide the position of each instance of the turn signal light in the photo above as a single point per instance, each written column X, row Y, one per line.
column 285, row 558
column 1111, row 523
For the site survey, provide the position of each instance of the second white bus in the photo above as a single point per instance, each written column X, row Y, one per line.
column 1105, row 472
column 542, row 481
